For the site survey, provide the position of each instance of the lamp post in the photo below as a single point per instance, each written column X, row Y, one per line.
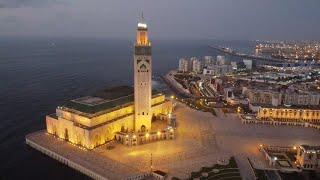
column 151, row 162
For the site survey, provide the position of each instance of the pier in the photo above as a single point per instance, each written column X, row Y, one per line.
column 260, row 59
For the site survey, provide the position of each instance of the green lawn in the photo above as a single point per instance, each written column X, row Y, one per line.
column 229, row 171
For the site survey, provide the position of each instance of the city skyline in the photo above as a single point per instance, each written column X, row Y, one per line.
column 240, row 20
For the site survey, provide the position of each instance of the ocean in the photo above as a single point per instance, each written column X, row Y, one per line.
column 38, row 74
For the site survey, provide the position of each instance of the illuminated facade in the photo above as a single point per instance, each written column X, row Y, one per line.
column 118, row 112
column 290, row 114
column 142, row 79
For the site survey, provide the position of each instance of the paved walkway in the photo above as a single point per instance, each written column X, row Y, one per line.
column 201, row 140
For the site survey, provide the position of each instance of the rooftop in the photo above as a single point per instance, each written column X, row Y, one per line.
column 299, row 107
column 160, row 172
column 103, row 100
column 311, row 148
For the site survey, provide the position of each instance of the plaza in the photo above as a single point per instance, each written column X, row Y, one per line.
column 201, row 139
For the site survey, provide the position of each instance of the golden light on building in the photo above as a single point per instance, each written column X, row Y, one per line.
column 91, row 121
column 239, row 109
column 142, row 33
column 294, row 147
column 261, row 145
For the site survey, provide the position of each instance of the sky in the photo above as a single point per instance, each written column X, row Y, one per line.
column 167, row 19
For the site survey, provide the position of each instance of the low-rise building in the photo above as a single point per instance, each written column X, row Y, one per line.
column 217, row 70
column 302, row 99
column 275, row 97
column 308, row 157
column 264, row 97
column 248, row 63
column 234, row 65
column 289, row 114
column 280, row 157
column 158, row 174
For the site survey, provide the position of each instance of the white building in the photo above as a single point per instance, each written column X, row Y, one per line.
column 207, row 71
column 221, row 60
column 183, row 65
column 234, row 65
column 248, row 63
column 208, row 61
column 195, row 65
column 217, row 70
column 302, row 99
column 275, row 98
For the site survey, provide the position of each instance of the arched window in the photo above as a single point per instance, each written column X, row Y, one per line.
column 66, row 134
column 143, row 128
column 143, row 67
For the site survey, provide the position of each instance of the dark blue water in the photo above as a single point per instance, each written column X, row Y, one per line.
column 36, row 75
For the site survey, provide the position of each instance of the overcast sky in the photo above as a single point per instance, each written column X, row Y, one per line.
column 167, row 19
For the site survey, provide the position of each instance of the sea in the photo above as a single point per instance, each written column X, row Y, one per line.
column 38, row 74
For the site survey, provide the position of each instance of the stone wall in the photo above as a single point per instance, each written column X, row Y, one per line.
column 65, row 160
column 67, row 130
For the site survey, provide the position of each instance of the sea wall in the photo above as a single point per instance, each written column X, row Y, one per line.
column 64, row 160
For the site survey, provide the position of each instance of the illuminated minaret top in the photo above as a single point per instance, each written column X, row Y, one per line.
column 142, row 33
column 142, row 79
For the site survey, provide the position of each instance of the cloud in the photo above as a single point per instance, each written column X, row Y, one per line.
column 26, row 3
column 183, row 19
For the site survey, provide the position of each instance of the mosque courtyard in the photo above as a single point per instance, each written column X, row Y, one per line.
column 201, row 140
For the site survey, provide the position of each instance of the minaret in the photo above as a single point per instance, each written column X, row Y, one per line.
column 142, row 79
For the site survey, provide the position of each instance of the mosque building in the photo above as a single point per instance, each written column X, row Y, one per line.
column 121, row 113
